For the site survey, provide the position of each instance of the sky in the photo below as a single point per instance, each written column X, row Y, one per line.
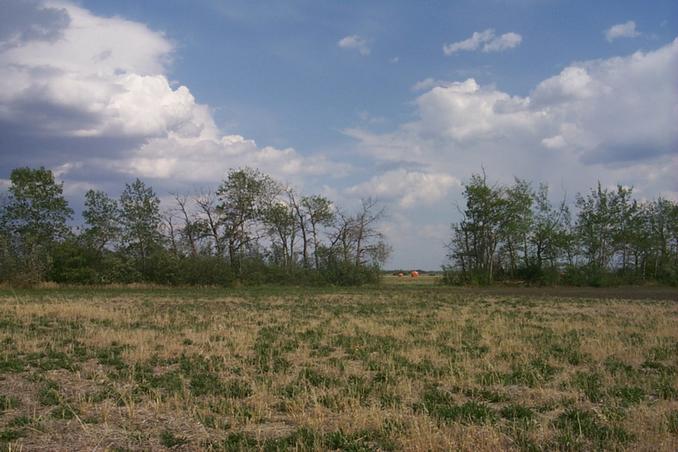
column 398, row 100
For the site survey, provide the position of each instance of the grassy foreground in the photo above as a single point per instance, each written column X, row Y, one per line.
column 406, row 366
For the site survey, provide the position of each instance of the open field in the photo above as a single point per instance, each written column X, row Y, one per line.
column 406, row 366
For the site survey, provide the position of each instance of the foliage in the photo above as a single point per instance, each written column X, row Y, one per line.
column 251, row 230
column 514, row 233
column 33, row 220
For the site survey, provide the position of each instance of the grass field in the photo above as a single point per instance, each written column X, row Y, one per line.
column 408, row 366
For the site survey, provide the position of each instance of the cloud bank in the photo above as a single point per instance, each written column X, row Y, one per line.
column 92, row 94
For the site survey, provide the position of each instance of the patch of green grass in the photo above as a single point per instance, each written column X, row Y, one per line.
column 582, row 429
column 63, row 411
column 665, row 388
column 315, row 378
column 629, row 395
column 170, row 440
column 531, row 374
column 268, row 354
column 238, row 389
column 672, row 421
column 112, row 356
column 236, row 442
column 10, row 435
column 203, row 383
column 590, row 384
column 616, row 366
column 663, row 352
column 516, row 412
column 52, row 359
column 7, row 403
column 440, row 405
column 20, row 421
column 48, row 394
column 10, row 363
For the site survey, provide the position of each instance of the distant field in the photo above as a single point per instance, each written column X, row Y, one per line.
column 409, row 366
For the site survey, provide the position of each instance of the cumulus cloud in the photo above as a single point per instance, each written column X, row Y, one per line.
column 355, row 42
column 24, row 20
column 407, row 188
column 72, row 80
column 610, row 119
column 625, row 30
column 486, row 41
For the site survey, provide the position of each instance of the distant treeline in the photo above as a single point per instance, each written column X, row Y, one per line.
column 515, row 233
column 251, row 229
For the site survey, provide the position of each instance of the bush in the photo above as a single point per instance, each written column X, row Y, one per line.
column 348, row 274
column 73, row 263
column 117, row 268
column 204, row 270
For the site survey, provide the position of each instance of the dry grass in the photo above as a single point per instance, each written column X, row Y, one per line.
column 403, row 367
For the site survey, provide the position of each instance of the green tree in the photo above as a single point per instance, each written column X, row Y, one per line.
column 243, row 196
column 320, row 213
column 595, row 227
column 476, row 237
column 102, row 219
column 35, row 218
column 281, row 224
column 516, row 223
column 550, row 237
column 140, row 221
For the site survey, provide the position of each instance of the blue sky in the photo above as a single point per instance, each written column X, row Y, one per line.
column 345, row 98
column 274, row 72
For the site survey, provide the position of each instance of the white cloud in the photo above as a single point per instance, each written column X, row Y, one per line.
column 197, row 160
column 486, row 41
column 611, row 119
column 625, row 30
column 408, row 188
column 503, row 42
column 355, row 42
column 104, row 78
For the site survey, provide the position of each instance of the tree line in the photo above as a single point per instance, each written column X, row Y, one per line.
column 514, row 232
column 250, row 229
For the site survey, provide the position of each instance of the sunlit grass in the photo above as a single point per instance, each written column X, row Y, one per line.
column 392, row 368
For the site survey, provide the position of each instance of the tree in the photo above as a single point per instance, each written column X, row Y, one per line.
column 477, row 236
column 517, row 222
column 370, row 246
column 280, row 220
column 243, row 196
column 320, row 212
column 140, row 219
column 102, row 217
column 211, row 223
column 35, row 218
column 549, row 238
column 194, row 229
column 595, row 226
